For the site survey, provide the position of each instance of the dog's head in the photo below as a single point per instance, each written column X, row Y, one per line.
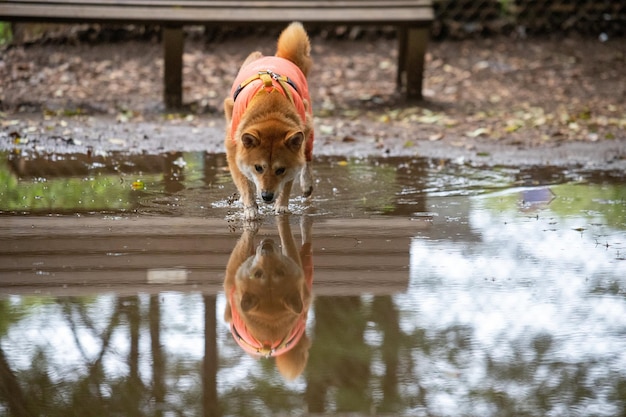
column 270, row 287
column 270, row 159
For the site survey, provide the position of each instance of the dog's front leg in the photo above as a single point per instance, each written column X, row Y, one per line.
column 247, row 190
column 287, row 240
column 248, row 198
column 242, row 250
column 282, row 202
column 306, row 180
column 306, row 226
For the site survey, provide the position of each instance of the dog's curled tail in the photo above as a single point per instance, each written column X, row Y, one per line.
column 294, row 45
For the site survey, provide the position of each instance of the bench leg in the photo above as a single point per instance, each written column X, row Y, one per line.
column 401, row 75
column 173, row 66
column 412, row 52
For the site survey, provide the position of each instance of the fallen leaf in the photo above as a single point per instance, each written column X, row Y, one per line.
column 481, row 131
column 430, row 119
column 386, row 64
column 326, row 129
column 574, row 126
column 138, row 185
column 512, row 126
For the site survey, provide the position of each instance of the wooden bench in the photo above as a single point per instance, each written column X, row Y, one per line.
column 411, row 17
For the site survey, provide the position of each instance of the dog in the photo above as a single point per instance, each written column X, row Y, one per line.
column 269, row 134
column 268, row 296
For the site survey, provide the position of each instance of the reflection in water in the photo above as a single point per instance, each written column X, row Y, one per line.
column 531, row 318
column 111, row 183
column 439, row 290
column 68, row 358
column 268, row 295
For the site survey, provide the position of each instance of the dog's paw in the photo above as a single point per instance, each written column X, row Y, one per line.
column 281, row 210
column 251, row 227
column 250, row 213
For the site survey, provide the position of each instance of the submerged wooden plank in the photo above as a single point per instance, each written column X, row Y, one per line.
column 65, row 255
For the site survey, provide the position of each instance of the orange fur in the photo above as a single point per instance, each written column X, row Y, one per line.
column 269, row 139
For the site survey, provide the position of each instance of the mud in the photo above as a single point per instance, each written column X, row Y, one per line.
column 101, row 134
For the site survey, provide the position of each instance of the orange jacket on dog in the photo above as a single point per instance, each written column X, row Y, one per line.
column 274, row 74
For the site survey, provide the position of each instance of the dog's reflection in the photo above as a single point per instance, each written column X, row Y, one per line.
column 268, row 289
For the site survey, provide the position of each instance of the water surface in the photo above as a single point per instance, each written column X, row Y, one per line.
column 439, row 290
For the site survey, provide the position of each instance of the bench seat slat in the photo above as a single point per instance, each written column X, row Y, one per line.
column 199, row 15
column 189, row 15
column 238, row 3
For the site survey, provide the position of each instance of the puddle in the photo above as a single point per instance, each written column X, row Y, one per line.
column 438, row 290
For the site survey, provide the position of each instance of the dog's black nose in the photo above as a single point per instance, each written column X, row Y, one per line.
column 267, row 196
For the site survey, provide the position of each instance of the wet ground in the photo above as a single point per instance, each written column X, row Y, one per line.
column 550, row 100
column 440, row 289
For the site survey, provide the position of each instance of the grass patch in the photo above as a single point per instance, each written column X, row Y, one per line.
column 6, row 34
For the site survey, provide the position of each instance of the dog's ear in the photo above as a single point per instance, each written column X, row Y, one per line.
column 293, row 302
column 249, row 141
column 249, row 301
column 229, row 104
column 252, row 57
column 228, row 314
column 294, row 142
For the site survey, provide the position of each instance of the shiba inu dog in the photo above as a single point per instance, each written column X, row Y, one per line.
column 269, row 137
column 268, row 293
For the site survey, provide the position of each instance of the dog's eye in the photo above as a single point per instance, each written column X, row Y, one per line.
column 258, row 169
column 258, row 273
column 280, row 171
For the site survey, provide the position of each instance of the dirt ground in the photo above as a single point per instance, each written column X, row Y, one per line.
column 488, row 101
